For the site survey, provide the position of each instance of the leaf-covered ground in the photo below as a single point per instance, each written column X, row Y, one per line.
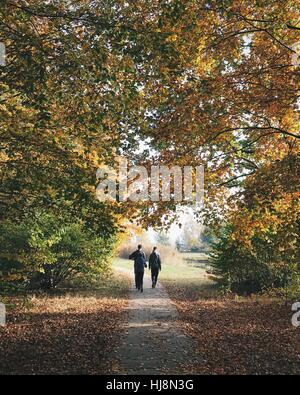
column 78, row 332
column 67, row 334
column 244, row 336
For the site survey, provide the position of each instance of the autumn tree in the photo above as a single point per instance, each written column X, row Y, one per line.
column 202, row 82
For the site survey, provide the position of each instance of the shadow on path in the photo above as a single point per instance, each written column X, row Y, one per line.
column 153, row 342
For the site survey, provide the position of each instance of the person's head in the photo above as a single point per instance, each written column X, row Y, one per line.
column 154, row 248
column 139, row 246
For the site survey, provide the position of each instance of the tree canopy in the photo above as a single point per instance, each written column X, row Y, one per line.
column 201, row 82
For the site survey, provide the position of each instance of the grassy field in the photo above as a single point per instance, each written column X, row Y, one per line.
column 180, row 273
column 198, row 259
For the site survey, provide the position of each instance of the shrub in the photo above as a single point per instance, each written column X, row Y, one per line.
column 247, row 270
column 42, row 251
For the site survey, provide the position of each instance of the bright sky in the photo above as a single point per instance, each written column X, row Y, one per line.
column 175, row 231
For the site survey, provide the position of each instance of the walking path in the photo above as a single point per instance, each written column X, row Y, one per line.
column 153, row 342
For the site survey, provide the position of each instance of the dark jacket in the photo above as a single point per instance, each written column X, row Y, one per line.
column 154, row 261
column 135, row 256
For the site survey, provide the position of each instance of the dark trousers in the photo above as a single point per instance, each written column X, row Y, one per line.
column 154, row 275
column 139, row 277
column 136, row 279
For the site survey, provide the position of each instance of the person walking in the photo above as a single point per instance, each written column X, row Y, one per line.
column 154, row 266
column 139, row 258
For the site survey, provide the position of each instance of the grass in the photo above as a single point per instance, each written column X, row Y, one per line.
column 178, row 274
column 170, row 272
column 194, row 256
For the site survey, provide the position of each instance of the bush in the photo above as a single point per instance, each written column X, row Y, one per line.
column 42, row 251
column 245, row 270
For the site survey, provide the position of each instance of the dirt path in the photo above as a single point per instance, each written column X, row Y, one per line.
column 153, row 342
